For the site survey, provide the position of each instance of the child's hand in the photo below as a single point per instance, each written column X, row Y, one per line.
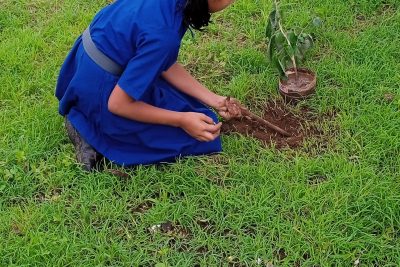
column 200, row 126
column 229, row 108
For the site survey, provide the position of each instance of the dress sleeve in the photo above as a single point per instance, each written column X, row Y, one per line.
column 155, row 53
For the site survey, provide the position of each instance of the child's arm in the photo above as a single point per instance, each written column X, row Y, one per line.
column 182, row 80
column 185, row 82
column 197, row 125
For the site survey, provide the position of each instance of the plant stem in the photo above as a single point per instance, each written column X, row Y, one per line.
column 292, row 58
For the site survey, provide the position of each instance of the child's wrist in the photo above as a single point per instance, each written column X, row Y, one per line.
column 178, row 120
column 217, row 102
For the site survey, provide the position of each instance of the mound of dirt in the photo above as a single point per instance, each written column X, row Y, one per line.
column 299, row 126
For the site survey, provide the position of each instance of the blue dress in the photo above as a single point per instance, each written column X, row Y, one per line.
column 144, row 37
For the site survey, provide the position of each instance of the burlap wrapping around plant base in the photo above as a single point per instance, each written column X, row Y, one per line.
column 298, row 88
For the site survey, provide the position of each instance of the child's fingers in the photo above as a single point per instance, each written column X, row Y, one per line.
column 226, row 115
column 216, row 134
column 213, row 128
column 207, row 119
column 212, row 135
column 208, row 136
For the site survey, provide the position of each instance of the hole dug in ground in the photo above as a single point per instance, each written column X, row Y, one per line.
column 300, row 126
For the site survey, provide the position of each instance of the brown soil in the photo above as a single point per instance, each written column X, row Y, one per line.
column 298, row 126
column 237, row 110
column 299, row 84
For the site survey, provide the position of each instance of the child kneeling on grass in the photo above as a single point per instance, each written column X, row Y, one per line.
column 126, row 98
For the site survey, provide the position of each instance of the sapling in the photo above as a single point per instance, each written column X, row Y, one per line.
column 286, row 49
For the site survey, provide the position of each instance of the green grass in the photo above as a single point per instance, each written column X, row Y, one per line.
column 315, row 206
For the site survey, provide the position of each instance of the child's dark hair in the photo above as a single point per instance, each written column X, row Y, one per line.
column 196, row 14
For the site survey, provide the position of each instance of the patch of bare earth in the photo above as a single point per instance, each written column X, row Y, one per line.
column 300, row 126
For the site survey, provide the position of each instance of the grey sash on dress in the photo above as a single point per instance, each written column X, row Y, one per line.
column 99, row 57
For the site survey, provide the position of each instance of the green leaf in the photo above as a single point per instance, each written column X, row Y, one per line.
column 280, row 41
column 298, row 55
column 268, row 30
column 303, row 45
column 272, row 24
column 308, row 42
column 292, row 37
column 289, row 51
column 317, row 21
column 271, row 47
column 280, row 67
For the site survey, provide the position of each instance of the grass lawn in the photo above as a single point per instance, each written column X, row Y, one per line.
column 335, row 203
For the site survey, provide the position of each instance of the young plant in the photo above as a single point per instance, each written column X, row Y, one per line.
column 286, row 49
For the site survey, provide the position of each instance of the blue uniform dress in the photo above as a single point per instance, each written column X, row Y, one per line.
column 144, row 37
